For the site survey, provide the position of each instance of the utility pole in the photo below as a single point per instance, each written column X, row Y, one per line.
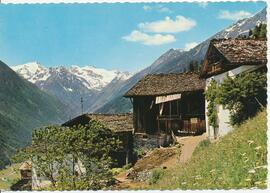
column 82, row 104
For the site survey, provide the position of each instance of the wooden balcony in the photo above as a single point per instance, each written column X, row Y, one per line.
column 181, row 125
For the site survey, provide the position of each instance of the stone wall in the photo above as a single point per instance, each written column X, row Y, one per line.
column 151, row 141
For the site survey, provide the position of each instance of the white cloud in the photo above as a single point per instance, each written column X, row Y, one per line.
column 147, row 8
column 165, row 10
column 158, row 8
column 203, row 4
column 168, row 25
column 146, row 39
column 190, row 45
column 225, row 14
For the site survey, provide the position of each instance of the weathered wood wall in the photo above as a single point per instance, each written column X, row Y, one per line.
column 144, row 115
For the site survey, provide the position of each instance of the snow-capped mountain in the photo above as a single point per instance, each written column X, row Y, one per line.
column 33, row 71
column 97, row 78
column 91, row 77
column 69, row 84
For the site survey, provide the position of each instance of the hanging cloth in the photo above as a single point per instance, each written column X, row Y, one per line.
column 166, row 98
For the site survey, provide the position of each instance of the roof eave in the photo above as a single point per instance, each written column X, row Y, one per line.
column 163, row 94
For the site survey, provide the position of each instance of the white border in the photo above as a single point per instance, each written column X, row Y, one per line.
column 166, row 1
column 118, row 1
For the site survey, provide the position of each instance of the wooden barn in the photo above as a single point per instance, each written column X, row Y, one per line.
column 121, row 124
column 25, row 183
column 170, row 104
column 26, row 170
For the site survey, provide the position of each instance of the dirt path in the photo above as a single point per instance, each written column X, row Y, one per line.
column 157, row 159
column 188, row 146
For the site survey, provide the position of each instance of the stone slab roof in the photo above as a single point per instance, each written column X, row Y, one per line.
column 165, row 84
column 242, row 51
column 114, row 122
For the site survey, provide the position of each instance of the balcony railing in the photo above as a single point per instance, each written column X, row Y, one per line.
column 180, row 125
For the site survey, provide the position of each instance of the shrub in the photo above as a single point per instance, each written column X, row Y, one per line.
column 243, row 95
column 211, row 95
column 156, row 175
column 116, row 171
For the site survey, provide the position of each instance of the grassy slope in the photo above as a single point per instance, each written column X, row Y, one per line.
column 239, row 160
column 9, row 176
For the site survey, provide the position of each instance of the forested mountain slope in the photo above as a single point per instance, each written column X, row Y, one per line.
column 23, row 107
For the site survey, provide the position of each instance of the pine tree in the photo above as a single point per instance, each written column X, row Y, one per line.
column 260, row 31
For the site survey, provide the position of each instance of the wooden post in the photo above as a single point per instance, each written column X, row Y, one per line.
column 131, row 100
column 158, row 125
column 170, row 121
column 127, row 157
column 177, row 107
column 158, row 118
column 170, row 109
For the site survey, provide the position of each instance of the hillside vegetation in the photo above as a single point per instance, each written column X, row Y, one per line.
column 239, row 160
column 23, row 107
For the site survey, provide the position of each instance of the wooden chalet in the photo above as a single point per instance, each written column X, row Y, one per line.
column 121, row 124
column 231, row 57
column 227, row 54
column 25, row 183
column 168, row 104
column 26, row 170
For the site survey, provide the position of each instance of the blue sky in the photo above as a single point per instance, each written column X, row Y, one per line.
column 113, row 36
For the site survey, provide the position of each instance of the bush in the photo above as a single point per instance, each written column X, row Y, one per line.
column 156, row 175
column 57, row 149
column 243, row 95
column 116, row 171
column 142, row 151
column 211, row 96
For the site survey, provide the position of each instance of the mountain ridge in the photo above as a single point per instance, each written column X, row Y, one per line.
column 92, row 77
column 180, row 61
column 70, row 84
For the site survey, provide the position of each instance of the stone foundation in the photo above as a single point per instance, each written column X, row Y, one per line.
column 151, row 141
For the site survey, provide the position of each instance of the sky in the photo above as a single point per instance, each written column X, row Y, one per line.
column 126, row 36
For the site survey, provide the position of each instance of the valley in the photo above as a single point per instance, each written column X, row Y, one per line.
column 193, row 119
